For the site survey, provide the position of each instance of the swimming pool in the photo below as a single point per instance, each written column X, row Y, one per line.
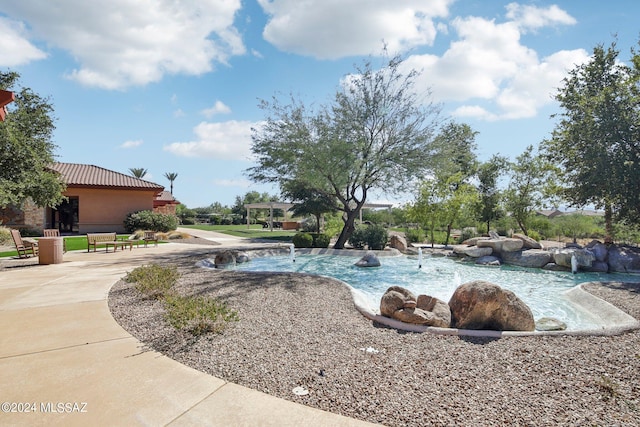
column 543, row 291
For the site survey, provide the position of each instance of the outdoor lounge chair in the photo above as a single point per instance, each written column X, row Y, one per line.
column 24, row 247
column 54, row 232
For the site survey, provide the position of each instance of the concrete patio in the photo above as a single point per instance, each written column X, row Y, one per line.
column 65, row 361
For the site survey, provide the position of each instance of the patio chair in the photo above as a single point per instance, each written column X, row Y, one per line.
column 54, row 232
column 150, row 236
column 24, row 247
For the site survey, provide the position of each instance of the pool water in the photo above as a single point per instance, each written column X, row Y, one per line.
column 543, row 291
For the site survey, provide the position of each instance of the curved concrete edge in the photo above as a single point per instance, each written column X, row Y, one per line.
column 617, row 321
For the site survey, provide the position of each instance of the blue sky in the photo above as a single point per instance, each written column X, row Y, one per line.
column 174, row 86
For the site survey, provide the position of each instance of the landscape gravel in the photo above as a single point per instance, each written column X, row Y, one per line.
column 301, row 333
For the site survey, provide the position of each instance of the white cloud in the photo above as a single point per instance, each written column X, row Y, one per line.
column 15, row 48
column 330, row 29
column 532, row 17
column 131, row 144
column 179, row 113
column 488, row 62
column 221, row 141
column 218, row 108
column 120, row 43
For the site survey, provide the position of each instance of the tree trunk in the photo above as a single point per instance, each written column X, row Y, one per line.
column 446, row 241
column 318, row 224
column 347, row 230
column 608, row 224
column 488, row 226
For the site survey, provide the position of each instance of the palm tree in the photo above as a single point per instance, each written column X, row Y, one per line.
column 171, row 176
column 138, row 172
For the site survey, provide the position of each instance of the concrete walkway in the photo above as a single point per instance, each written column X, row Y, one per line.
column 65, row 361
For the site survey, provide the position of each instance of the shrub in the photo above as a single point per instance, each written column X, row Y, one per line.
column 153, row 280
column 303, row 240
column 415, row 235
column 198, row 315
column 321, row 240
column 377, row 237
column 5, row 235
column 358, row 238
column 534, row 235
column 149, row 220
column 188, row 221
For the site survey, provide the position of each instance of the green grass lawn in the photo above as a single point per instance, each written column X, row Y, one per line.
column 72, row 244
column 253, row 232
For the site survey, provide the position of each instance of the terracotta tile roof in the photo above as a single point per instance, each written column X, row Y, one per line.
column 166, row 196
column 77, row 175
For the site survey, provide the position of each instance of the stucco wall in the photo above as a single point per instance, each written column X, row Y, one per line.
column 105, row 210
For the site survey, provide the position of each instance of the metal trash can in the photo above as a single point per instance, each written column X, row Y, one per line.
column 50, row 250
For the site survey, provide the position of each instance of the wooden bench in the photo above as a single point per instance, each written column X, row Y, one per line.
column 106, row 240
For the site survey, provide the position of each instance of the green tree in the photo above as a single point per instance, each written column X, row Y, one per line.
column 26, row 149
column 171, row 176
column 488, row 207
column 596, row 139
column 250, row 197
column 138, row 172
column 529, row 187
column 454, row 151
column 574, row 225
column 375, row 134
column 307, row 201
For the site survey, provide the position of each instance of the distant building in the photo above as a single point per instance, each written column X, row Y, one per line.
column 98, row 200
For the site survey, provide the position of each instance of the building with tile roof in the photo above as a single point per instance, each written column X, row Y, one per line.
column 98, row 200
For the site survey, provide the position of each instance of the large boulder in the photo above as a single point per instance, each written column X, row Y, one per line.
column 623, row 259
column 532, row 258
column 599, row 250
column 583, row 257
column 472, row 251
column 398, row 242
column 401, row 304
column 528, row 242
column 224, row 259
column 474, row 241
column 369, row 260
column 484, row 305
column 494, row 244
column 512, row 245
column 436, row 310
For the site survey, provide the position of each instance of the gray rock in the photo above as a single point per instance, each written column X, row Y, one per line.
column 369, row 260
column 528, row 242
column 532, row 258
column 552, row 266
column 242, row 257
column 477, row 252
column 484, row 305
column 489, row 260
column 623, row 260
column 474, row 241
column 494, row 235
column 512, row 245
column 598, row 267
column 563, row 257
column 550, row 324
column 494, row 244
column 599, row 250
